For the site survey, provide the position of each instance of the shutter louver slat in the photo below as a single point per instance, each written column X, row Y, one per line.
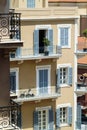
column 70, row 76
column 35, row 118
column 51, row 120
column 79, row 117
column 58, row 81
column 50, row 38
column 58, row 118
column 69, row 112
column 36, row 42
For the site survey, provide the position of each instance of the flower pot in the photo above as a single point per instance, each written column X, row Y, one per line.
column 46, row 50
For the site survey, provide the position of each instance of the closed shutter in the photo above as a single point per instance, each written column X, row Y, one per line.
column 69, row 115
column 30, row 3
column 58, row 80
column 13, row 81
column 70, row 76
column 51, row 120
column 58, row 118
column 36, row 42
column 78, row 117
column 63, row 36
column 35, row 120
column 50, row 37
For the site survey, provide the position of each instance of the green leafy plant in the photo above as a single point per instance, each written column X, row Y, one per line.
column 46, row 41
column 85, row 33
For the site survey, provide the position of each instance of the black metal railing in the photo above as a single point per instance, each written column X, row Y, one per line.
column 10, row 25
column 14, row 25
column 10, row 116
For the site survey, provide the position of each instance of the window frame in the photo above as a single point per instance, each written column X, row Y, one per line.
column 16, row 70
column 46, row 108
column 32, row 6
column 68, row 26
column 37, row 76
column 67, row 66
column 66, row 105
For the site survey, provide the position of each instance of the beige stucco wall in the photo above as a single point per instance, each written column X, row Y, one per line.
column 28, row 28
column 29, row 107
column 23, row 3
column 27, row 72
column 28, row 69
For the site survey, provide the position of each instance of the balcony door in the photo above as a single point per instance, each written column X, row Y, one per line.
column 43, row 78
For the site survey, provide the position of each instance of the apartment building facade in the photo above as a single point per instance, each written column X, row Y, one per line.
column 43, row 82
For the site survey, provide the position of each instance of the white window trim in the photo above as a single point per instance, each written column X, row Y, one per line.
column 64, row 66
column 43, row 108
column 69, row 40
column 48, row 26
column 61, row 106
column 17, row 77
column 49, row 77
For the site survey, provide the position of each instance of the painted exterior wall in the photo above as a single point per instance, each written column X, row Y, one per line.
column 27, row 69
column 23, row 4
column 4, row 6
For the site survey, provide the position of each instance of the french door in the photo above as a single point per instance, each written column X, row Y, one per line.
column 43, row 80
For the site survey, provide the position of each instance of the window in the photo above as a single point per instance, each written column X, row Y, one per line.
column 43, row 79
column 64, row 115
column 64, row 75
column 41, row 32
column 43, row 119
column 14, row 80
column 64, row 35
column 30, row 3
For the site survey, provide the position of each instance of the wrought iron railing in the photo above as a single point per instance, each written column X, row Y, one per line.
column 10, row 25
column 10, row 116
column 31, row 52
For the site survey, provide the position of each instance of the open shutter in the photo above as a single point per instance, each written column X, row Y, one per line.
column 58, row 80
column 50, row 37
column 13, row 81
column 58, row 118
column 18, row 51
column 19, row 119
column 36, row 42
column 35, row 120
column 70, row 76
column 51, row 120
column 69, row 115
column 78, row 116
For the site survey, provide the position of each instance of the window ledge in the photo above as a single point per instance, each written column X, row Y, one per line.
column 63, row 125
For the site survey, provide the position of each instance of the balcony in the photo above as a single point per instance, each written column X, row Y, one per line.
column 81, row 46
column 81, row 88
column 10, row 26
column 34, row 94
column 35, row 53
column 10, row 30
column 10, row 117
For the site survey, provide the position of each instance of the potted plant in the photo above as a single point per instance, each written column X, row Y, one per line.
column 46, row 45
column 85, row 39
